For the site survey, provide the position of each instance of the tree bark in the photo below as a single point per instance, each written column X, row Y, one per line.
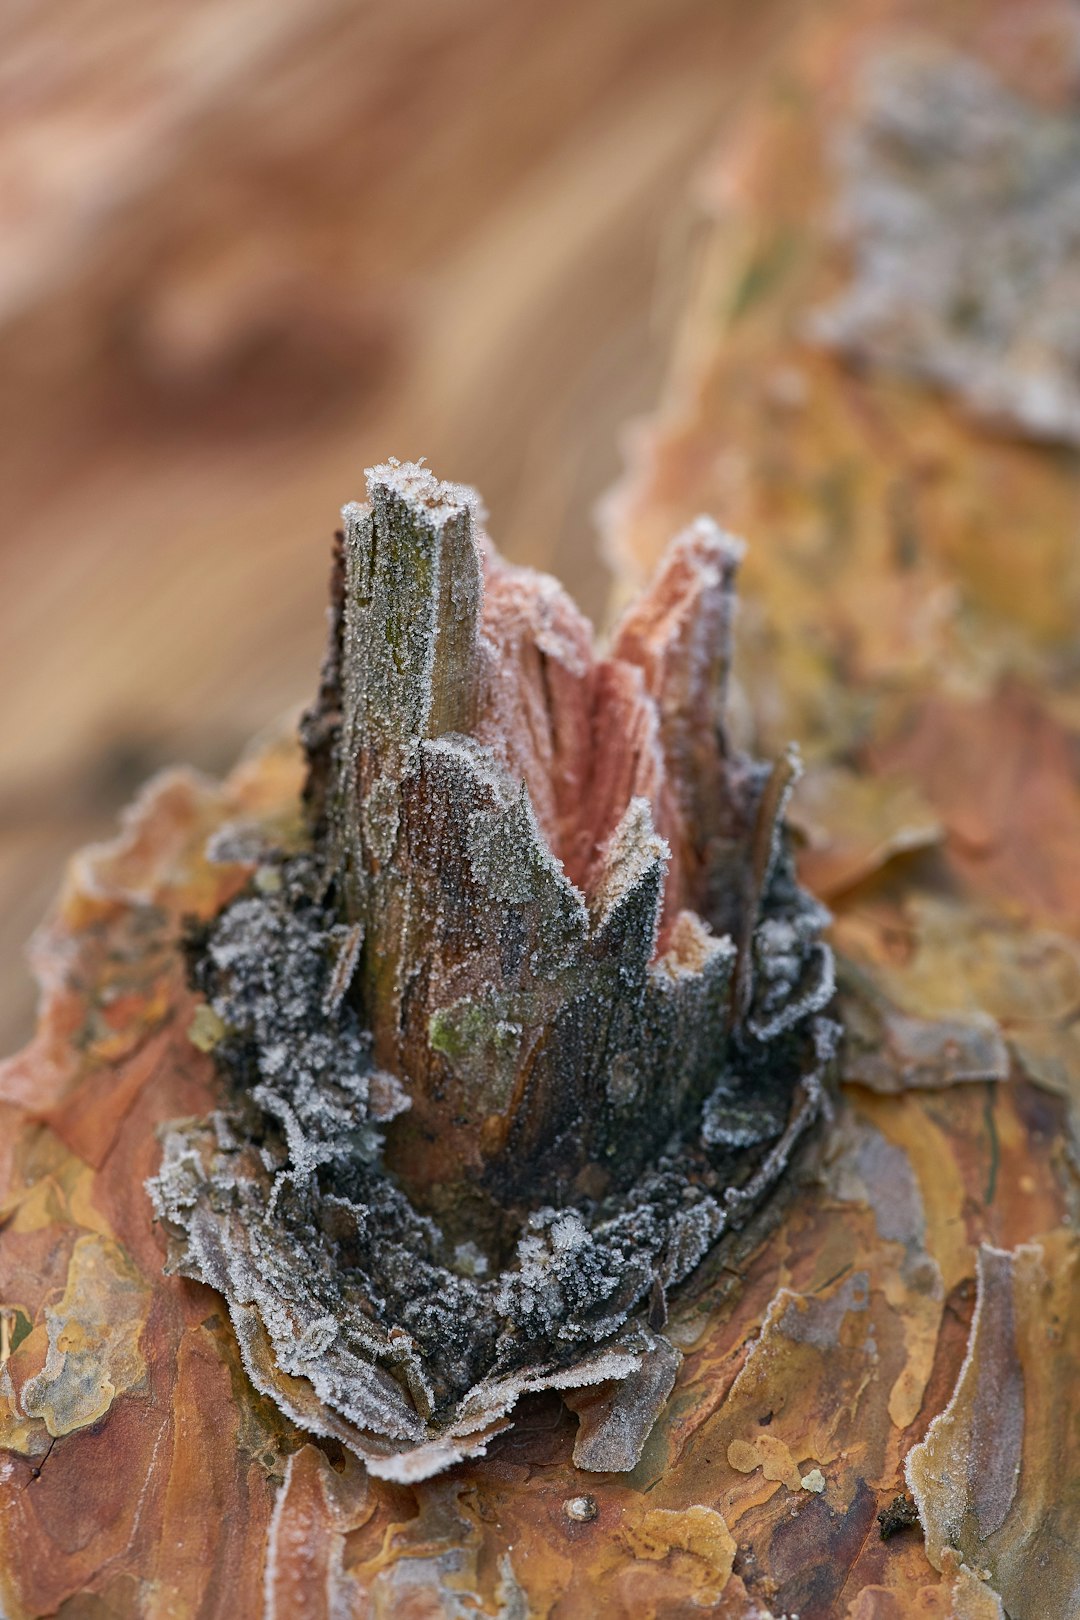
column 907, row 1324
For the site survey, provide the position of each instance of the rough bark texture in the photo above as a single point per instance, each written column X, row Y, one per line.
column 909, row 1322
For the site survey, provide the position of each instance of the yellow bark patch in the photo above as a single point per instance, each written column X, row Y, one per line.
column 697, row 1543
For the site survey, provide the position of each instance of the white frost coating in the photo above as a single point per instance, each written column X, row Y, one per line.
column 418, row 486
column 943, row 1499
column 506, row 852
column 634, row 853
column 693, row 951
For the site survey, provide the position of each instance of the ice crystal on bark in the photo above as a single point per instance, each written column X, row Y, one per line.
column 532, row 1021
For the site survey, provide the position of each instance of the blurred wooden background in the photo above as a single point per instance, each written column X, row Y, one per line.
column 249, row 246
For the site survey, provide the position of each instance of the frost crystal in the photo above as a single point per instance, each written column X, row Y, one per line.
column 532, row 1021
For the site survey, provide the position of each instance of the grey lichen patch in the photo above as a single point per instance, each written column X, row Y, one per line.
column 961, row 204
column 479, row 1117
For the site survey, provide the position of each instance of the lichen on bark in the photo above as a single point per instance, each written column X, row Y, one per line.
column 532, row 1018
column 960, row 200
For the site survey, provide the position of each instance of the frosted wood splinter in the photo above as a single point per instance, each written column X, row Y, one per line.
column 530, row 1018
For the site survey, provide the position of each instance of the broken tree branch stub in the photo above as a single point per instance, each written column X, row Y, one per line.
column 548, row 853
column 534, row 1018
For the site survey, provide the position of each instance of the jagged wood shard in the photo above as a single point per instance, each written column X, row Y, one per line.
column 535, row 1018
